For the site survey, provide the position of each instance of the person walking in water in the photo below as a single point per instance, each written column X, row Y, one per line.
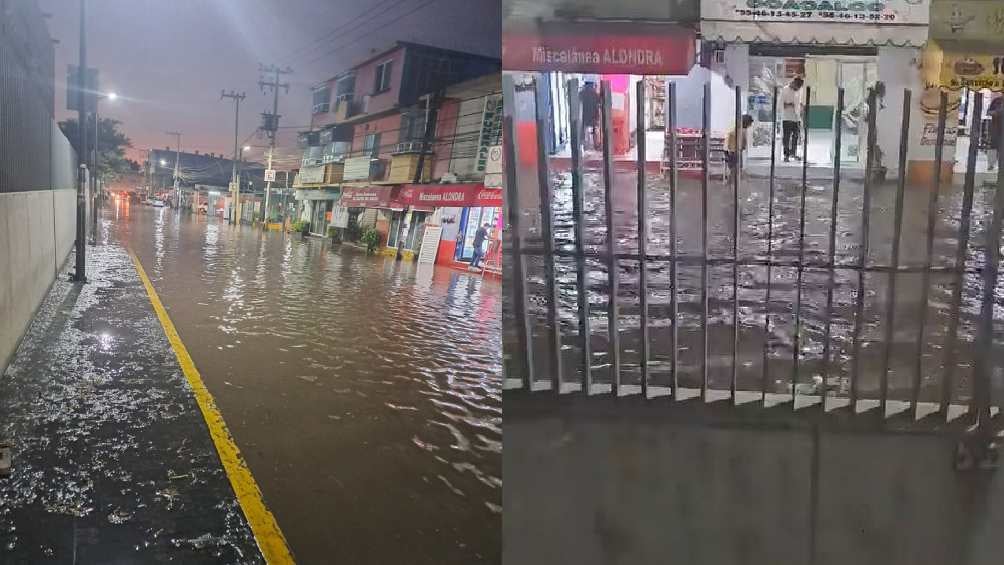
column 791, row 118
column 735, row 145
column 479, row 242
column 589, row 99
column 996, row 113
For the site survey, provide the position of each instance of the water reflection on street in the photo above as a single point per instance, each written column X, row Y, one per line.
column 365, row 393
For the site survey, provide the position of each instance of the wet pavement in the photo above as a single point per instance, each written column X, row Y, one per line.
column 365, row 394
column 753, row 283
column 113, row 462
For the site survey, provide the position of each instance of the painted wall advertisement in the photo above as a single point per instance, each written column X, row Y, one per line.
column 848, row 11
column 969, row 20
column 491, row 131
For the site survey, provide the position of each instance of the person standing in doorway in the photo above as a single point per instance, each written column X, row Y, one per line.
column 791, row 118
column 479, row 243
column 996, row 113
column 589, row 99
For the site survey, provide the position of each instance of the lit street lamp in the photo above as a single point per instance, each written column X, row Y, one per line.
column 95, row 177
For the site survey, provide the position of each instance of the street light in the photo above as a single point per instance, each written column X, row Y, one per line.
column 163, row 162
column 95, row 177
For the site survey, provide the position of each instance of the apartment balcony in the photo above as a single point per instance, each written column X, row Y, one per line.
column 404, row 162
column 348, row 106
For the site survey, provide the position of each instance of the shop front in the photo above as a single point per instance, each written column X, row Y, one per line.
column 317, row 195
column 317, row 205
column 458, row 210
column 966, row 57
column 761, row 45
column 543, row 56
column 369, row 207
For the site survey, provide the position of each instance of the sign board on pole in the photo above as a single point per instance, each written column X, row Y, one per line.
column 269, row 175
column 73, row 92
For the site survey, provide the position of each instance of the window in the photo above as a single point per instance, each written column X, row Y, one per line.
column 321, row 98
column 413, row 125
column 371, row 144
column 382, row 80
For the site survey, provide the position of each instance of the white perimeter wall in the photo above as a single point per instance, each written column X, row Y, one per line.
column 36, row 234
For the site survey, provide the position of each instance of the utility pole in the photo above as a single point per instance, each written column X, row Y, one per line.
column 234, row 194
column 79, row 274
column 95, row 186
column 177, row 159
column 271, row 121
column 432, row 102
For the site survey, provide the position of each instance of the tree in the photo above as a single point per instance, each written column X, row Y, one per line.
column 112, row 144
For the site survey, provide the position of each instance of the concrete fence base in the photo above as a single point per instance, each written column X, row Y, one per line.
column 36, row 234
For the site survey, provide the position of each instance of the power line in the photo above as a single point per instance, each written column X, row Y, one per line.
column 312, row 45
column 385, row 24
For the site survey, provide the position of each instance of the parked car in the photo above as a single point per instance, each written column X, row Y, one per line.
column 157, row 203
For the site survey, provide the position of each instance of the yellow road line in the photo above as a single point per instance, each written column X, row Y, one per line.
column 266, row 531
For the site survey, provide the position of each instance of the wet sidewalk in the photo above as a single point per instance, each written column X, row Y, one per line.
column 112, row 462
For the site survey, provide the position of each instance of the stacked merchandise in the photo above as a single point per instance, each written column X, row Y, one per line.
column 655, row 98
column 690, row 152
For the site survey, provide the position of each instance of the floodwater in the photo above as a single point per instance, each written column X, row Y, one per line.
column 364, row 393
column 784, row 236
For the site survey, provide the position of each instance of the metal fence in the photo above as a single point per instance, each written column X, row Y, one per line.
column 34, row 154
column 895, row 316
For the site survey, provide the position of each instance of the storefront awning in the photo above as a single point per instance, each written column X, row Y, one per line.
column 599, row 47
column 970, row 64
column 367, row 196
column 906, row 35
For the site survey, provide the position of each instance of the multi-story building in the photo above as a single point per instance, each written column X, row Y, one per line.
column 368, row 139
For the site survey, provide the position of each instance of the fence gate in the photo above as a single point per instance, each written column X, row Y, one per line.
column 835, row 293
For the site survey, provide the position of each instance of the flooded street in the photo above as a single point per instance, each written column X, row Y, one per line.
column 783, row 237
column 364, row 393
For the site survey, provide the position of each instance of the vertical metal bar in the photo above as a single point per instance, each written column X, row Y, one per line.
column 975, row 131
column 673, row 178
column 932, row 222
column 866, row 205
column 985, row 334
column 770, row 248
column 642, row 235
column 705, row 178
column 832, row 249
column 736, row 169
column 547, row 245
column 524, row 329
column 926, row 277
column 580, row 233
column 796, row 352
column 613, row 266
column 890, row 296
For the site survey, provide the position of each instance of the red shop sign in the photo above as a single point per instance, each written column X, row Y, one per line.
column 458, row 195
column 366, row 197
column 601, row 48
